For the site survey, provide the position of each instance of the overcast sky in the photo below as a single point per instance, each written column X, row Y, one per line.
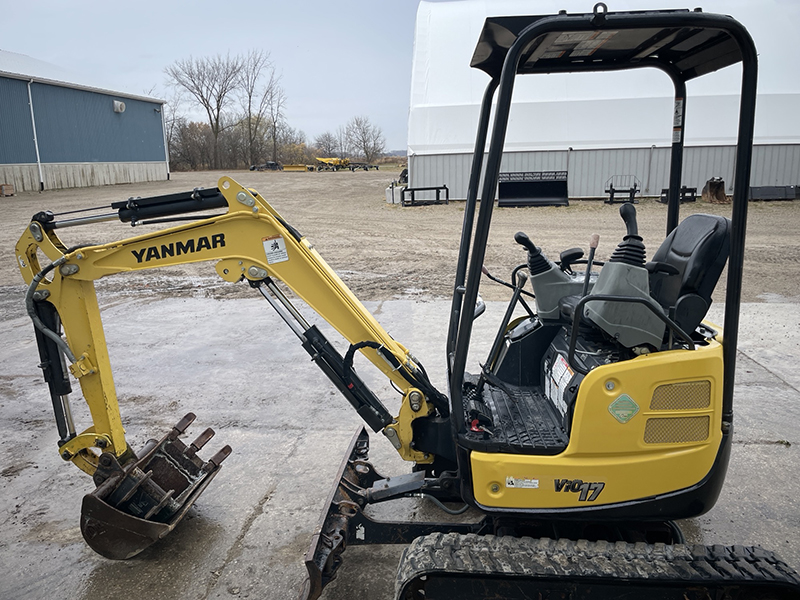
column 337, row 58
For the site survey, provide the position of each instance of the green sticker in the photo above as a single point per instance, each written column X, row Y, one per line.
column 623, row 408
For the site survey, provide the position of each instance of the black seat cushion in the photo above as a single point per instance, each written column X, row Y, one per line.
column 698, row 248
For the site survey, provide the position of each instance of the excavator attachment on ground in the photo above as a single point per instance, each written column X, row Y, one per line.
column 138, row 504
column 139, row 498
column 599, row 417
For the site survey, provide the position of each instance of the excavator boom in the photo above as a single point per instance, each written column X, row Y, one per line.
column 250, row 241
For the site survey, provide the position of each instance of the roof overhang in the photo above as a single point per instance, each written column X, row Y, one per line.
column 77, row 86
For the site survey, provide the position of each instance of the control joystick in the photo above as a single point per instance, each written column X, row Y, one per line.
column 537, row 262
column 630, row 324
column 628, row 214
column 549, row 283
column 630, row 250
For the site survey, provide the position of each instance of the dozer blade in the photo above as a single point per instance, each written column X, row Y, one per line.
column 343, row 521
column 329, row 541
column 138, row 503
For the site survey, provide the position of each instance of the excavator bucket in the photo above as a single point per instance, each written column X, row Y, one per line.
column 138, row 503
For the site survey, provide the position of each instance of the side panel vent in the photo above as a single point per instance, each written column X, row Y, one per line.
column 676, row 430
column 682, row 396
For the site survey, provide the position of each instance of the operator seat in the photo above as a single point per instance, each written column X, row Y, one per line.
column 695, row 253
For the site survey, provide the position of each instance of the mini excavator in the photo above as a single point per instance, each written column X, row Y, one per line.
column 600, row 416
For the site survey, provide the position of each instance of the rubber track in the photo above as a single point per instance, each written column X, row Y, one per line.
column 471, row 554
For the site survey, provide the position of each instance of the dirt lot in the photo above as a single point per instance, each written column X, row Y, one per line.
column 236, row 366
column 385, row 251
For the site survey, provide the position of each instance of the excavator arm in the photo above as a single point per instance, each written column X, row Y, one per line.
column 250, row 241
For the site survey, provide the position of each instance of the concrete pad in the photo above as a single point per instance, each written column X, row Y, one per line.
column 237, row 366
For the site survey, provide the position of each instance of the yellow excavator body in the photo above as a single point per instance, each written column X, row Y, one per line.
column 644, row 427
column 597, row 419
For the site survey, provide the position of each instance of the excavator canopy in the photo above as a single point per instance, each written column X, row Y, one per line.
column 674, row 45
column 682, row 43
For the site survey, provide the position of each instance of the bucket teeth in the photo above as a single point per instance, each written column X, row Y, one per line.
column 138, row 503
column 182, row 425
column 217, row 459
column 201, row 441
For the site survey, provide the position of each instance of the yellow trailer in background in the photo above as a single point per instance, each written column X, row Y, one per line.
column 336, row 164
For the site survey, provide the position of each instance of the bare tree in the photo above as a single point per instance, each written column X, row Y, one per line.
column 289, row 140
column 327, row 144
column 173, row 118
column 258, row 83
column 365, row 138
column 212, row 82
column 343, row 142
column 233, row 144
column 276, row 103
column 191, row 147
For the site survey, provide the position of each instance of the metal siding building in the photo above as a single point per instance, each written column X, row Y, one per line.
column 594, row 126
column 82, row 136
column 589, row 170
column 16, row 130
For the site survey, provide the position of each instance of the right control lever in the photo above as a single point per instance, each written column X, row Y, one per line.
column 630, row 250
column 628, row 214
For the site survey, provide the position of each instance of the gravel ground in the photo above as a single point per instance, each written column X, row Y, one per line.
column 247, row 535
column 385, row 251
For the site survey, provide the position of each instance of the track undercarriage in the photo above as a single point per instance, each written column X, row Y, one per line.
column 516, row 558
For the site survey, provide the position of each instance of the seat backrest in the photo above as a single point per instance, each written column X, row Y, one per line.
column 698, row 248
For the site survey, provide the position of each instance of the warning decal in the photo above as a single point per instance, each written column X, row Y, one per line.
column 677, row 120
column 522, row 482
column 557, row 382
column 275, row 249
column 677, row 115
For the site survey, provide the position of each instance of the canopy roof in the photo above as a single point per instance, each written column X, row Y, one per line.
column 679, row 46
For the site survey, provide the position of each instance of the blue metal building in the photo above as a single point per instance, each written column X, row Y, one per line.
column 57, row 134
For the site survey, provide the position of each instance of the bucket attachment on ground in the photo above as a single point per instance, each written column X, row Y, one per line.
column 138, row 503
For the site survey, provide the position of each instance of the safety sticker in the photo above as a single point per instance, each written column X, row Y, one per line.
column 677, row 120
column 571, row 38
column 275, row 248
column 522, row 482
column 623, row 408
column 677, row 115
column 556, row 384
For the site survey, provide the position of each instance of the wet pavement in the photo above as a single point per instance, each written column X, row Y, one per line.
column 236, row 365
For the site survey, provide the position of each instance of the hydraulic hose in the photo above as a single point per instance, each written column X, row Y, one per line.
column 423, row 383
column 31, row 308
column 440, row 504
